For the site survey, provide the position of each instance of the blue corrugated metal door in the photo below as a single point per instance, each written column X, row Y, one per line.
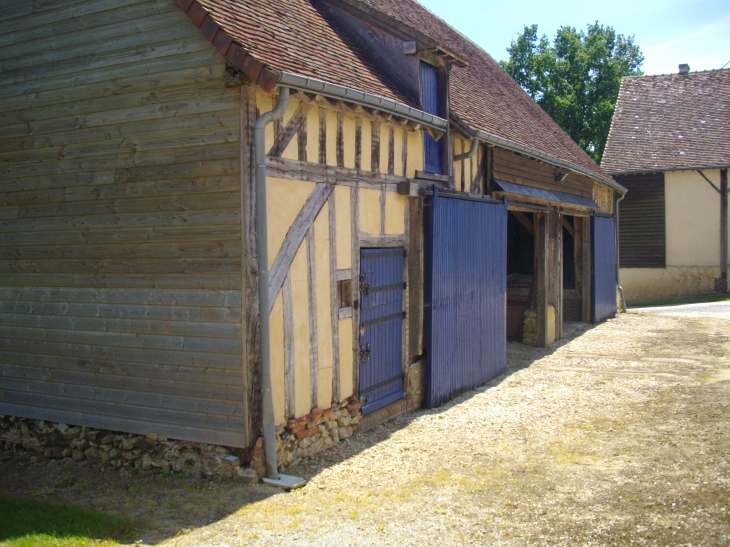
column 466, row 286
column 430, row 102
column 381, row 327
column 604, row 268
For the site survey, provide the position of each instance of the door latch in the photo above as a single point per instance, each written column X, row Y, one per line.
column 364, row 287
column 365, row 354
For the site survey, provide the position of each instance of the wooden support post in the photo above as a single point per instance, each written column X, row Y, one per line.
column 723, row 227
column 587, row 270
column 541, row 277
column 557, row 274
column 249, row 269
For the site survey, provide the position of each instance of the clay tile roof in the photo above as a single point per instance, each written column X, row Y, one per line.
column 295, row 36
column 484, row 95
column 670, row 122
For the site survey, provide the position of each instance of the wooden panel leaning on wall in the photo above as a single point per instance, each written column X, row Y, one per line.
column 120, row 230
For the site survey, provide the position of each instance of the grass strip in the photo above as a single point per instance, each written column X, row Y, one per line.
column 26, row 523
column 684, row 300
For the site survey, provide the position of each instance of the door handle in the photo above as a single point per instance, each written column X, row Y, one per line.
column 365, row 354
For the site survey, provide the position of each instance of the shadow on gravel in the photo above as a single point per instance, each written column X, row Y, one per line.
column 519, row 357
column 160, row 506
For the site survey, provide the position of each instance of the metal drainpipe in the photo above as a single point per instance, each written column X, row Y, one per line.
column 470, row 153
column 269, row 425
column 618, row 282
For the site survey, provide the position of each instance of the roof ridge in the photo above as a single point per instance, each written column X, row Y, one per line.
column 691, row 73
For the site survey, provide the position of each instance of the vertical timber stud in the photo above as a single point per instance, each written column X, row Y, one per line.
column 313, row 335
column 558, row 276
column 355, row 285
column 541, row 283
column 249, row 294
column 334, row 303
column 723, row 228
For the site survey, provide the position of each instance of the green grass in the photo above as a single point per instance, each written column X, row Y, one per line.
column 684, row 300
column 28, row 523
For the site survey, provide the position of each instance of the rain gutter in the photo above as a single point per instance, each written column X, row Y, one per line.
column 262, row 248
column 370, row 100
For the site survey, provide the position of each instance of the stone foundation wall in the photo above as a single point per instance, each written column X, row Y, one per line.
column 122, row 450
column 308, row 435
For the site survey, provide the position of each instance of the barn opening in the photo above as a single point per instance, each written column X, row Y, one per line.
column 572, row 299
column 520, row 271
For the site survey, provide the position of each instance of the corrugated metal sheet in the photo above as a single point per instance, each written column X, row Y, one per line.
column 604, row 268
column 466, row 287
column 431, row 103
column 642, row 222
column 557, row 197
column 381, row 327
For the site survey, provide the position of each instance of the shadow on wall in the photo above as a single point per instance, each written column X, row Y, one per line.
column 44, row 499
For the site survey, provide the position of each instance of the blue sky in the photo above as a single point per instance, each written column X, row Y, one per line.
column 668, row 32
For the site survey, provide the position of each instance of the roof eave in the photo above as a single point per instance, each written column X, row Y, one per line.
column 536, row 154
column 644, row 170
column 348, row 94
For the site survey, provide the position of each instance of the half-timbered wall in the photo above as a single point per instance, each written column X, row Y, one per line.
column 469, row 173
column 120, row 221
column 331, row 188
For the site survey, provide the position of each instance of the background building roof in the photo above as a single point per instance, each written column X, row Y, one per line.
column 670, row 122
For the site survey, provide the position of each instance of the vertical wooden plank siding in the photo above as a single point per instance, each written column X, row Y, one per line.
column 121, row 278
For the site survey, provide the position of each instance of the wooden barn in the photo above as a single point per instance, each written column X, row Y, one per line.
column 415, row 208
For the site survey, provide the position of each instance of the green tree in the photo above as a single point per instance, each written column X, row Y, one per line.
column 575, row 79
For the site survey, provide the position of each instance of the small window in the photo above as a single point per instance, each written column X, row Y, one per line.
column 344, row 293
column 431, row 103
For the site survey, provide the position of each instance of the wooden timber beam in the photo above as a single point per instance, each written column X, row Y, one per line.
column 567, row 225
column 285, row 137
column 526, row 222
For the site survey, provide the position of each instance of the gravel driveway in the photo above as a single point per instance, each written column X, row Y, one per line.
column 619, row 435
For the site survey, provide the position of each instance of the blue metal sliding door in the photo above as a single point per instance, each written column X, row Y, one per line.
column 465, row 296
column 381, row 327
column 603, row 253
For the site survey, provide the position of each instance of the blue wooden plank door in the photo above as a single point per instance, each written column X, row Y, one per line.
column 604, row 268
column 381, row 327
column 431, row 103
column 465, row 296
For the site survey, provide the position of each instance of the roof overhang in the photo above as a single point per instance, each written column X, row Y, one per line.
column 348, row 94
column 535, row 154
column 668, row 169
column 543, row 197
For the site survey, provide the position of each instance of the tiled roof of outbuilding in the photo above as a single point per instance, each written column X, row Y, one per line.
column 294, row 36
column 670, row 122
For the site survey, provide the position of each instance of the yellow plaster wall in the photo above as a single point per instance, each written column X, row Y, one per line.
column 343, row 222
column 369, row 211
column 366, row 151
column 265, row 103
column 384, row 146
column 313, row 135
column 415, row 153
column 300, row 303
column 348, row 133
column 394, row 213
column 346, row 358
column 276, row 325
column 284, row 200
column 398, row 147
column 324, row 309
column 331, row 137
column 458, row 149
column 692, row 219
